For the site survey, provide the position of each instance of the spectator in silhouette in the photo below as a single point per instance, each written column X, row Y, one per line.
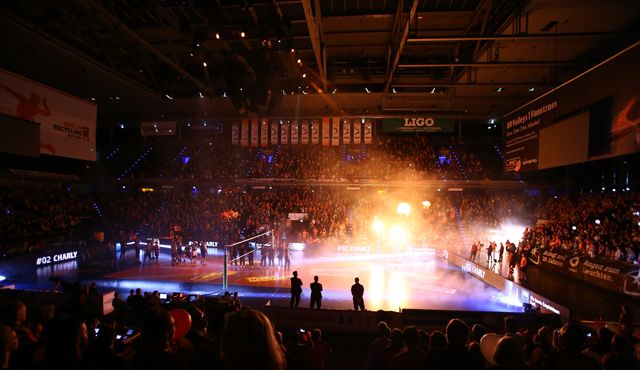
column 375, row 356
column 248, row 342
column 477, row 332
column 511, row 328
column 625, row 321
column 157, row 349
column 316, row 293
column 411, row 357
column 357, row 291
column 621, row 355
column 296, row 290
column 16, row 318
column 542, row 346
column 424, row 341
column 101, row 354
column 437, row 340
column 8, row 344
column 319, row 351
column 570, row 341
column 203, row 346
column 395, row 346
column 455, row 355
column 508, row 355
column 66, row 341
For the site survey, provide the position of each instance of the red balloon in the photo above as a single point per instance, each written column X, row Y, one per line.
column 182, row 319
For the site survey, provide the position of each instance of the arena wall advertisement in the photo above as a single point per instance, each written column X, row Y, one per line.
column 506, row 286
column 613, row 275
column 67, row 123
column 603, row 104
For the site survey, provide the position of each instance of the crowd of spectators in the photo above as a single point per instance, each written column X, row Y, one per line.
column 147, row 331
column 222, row 214
column 34, row 214
column 594, row 224
column 387, row 158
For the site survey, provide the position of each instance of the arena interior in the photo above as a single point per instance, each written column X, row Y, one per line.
column 320, row 184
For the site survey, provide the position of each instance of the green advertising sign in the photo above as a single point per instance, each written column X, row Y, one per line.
column 417, row 124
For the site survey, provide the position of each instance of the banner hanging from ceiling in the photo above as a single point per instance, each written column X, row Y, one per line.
column 244, row 137
column 304, row 132
column 294, row 132
column 264, row 132
column 357, row 131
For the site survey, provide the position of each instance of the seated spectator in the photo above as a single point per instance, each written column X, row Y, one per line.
column 438, row 340
column 319, row 351
column 100, row 354
column 248, row 342
column 375, row 355
column 16, row 318
column 455, row 355
column 157, row 349
column 569, row 342
column 65, row 342
column 508, row 355
column 410, row 357
column 9, row 343
column 395, row 346
column 511, row 330
column 542, row 347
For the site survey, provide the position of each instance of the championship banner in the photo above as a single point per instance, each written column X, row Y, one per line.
column 304, row 132
column 315, row 132
column 235, row 134
column 244, row 138
column 357, row 132
column 284, row 133
column 335, row 132
column 67, row 123
column 368, row 132
column 264, row 133
column 346, row 131
column 254, row 132
column 326, row 134
column 417, row 124
column 294, row 132
column 274, row 133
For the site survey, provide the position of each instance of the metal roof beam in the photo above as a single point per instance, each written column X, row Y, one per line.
column 489, row 64
column 398, row 49
column 522, row 37
column 315, row 31
column 118, row 24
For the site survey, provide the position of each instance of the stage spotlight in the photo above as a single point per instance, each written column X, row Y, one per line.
column 403, row 209
column 378, row 226
column 397, row 234
column 597, row 222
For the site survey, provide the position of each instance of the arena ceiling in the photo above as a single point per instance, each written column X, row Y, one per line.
column 470, row 59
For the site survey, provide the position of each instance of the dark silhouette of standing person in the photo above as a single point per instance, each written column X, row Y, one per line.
column 357, row 291
column 296, row 290
column 316, row 293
